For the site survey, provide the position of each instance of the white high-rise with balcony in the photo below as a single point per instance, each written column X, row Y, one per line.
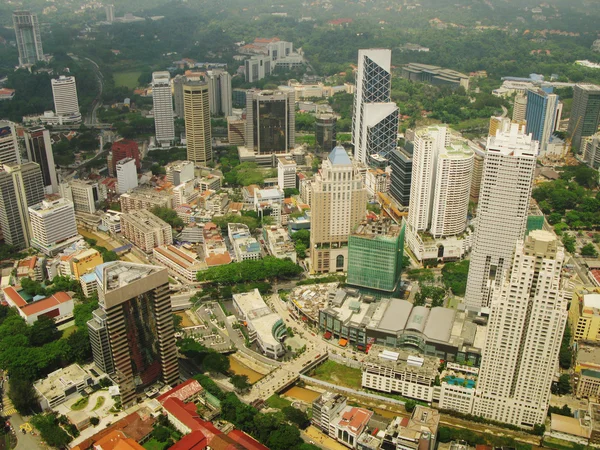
column 162, row 101
column 525, row 330
column 506, row 186
column 375, row 116
column 66, row 103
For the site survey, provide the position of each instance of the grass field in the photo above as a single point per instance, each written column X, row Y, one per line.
column 153, row 444
column 99, row 403
column 275, row 401
column 128, row 79
column 80, row 404
column 68, row 331
column 336, row 373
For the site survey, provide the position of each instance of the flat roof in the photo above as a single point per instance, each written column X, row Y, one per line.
column 569, row 425
column 58, row 381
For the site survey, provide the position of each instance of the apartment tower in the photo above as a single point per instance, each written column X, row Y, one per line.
column 339, row 203
column 135, row 318
column 196, row 106
column 28, row 37
column 585, row 113
column 53, row 225
column 39, row 150
column 162, row 103
column 505, row 191
column 541, row 115
column 375, row 116
column 527, row 320
column 219, row 88
column 9, row 145
column 66, row 103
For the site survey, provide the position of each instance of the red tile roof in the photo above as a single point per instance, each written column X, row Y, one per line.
column 183, row 391
column 14, row 296
column 217, row 259
column 246, row 441
column 187, row 415
column 193, row 441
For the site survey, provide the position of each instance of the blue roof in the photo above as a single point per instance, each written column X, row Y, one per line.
column 88, row 277
column 339, row 157
column 99, row 269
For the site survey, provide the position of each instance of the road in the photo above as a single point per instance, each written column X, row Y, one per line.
column 91, row 118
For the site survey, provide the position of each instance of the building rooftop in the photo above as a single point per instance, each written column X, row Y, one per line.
column 252, row 304
column 144, row 220
column 402, row 360
column 57, row 382
column 183, row 391
column 36, row 304
column 569, row 425
column 118, row 274
column 339, row 157
column 48, row 207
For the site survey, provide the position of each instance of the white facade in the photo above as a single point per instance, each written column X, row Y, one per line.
column 66, row 103
column 162, row 102
column 375, row 117
column 506, row 186
column 53, row 225
column 84, row 194
column 527, row 321
column 219, row 90
column 456, row 398
column 286, row 172
column 9, row 146
column 126, row 175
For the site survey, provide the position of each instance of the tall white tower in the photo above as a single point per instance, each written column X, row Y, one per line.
column 66, row 103
column 375, row 116
column 9, row 145
column 126, row 175
column 29, row 39
column 506, row 186
column 162, row 100
column 219, row 89
column 527, row 321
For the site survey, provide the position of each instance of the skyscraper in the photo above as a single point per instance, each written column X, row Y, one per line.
column 400, row 179
column 21, row 186
column 196, row 105
column 527, row 321
column 162, row 102
column 135, row 318
column 178, row 83
column 585, row 113
column 540, row 115
column 53, row 225
column 325, row 132
column 29, row 39
column 110, row 13
column 122, row 149
column 9, row 145
column 270, row 121
column 39, row 150
column 505, row 190
column 219, row 88
column 126, row 175
column 66, row 103
column 339, row 203
column 519, row 108
column 375, row 116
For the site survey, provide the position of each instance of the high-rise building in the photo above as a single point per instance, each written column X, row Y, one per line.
column 400, row 179
column 66, row 103
column 236, row 130
column 527, row 320
column 375, row 116
column 132, row 333
column 540, row 115
column 325, row 132
column 590, row 147
column 239, row 98
column 585, row 113
column 125, row 148
column 21, row 186
column 477, row 174
column 519, row 108
column 375, row 252
column 286, row 172
column 126, row 175
column 29, row 39
column 504, row 196
column 257, row 67
column 84, row 194
column 146, row 230
column 270, row 121
column 110, row 13
column 178, row 83
column 162, row 103
column 9, row 145
column 338, row 205
column 39, row 150
column 219, row 89
column 53, row 225
column 197, row 122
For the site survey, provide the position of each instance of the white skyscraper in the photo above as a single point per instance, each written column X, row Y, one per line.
column 219, row 90
column 53, row 225
column 375, row 116
column 9, row 146
column 162, row 99
column 28, row 37
column 66, row 103
column 527, row 321
column 126, row 175
column 506, row 186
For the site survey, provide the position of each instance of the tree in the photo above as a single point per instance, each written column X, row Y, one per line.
column 161, row 434
column 589, row 250
column 296, row 416
column 300, row 250
column 565, row 356
column 50, row 430
column 216, row 363
column 22, row 394
column 410, row 405
column 283, row 438
column 569, row 243
column 240, row 383
column 301, row 236
column 43, row 331
column 94, row 420
column 563, row 386
column 454, row 277
column 539, row 429
column 78, row 347
column 169, row 216
column 288, row 192
column 177, row 319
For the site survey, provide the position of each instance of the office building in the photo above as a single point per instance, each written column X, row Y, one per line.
column 127, row 178
column 178, row 83
column 270, row 121
column 121, row 149
column 541, row 115
column 401, row 162
column 162, row 103
column 110, row 13
column 505, row 191
column 62, row 385
column 239, row 98
column 21, row 186
column 375, row 252
column 28, row 37
column 375, row 116
column 39, row 150
column 590, row 147
column 134, row 337
column 179, row 172
column 9, row 145
column 528, row 314
column 258, row 67
column 435, row 75
column 265, row 327
column 325, row 132
column 66, row 103
column 339, row 203
column 236, row 130
column 584, row 314
column 219, row 89
column 84, row 194
column 145, row 198
column 585, row 113
column 520, row 107
column 53, row 226
column 286, row 172
column 196, row 106
column 145, row 230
